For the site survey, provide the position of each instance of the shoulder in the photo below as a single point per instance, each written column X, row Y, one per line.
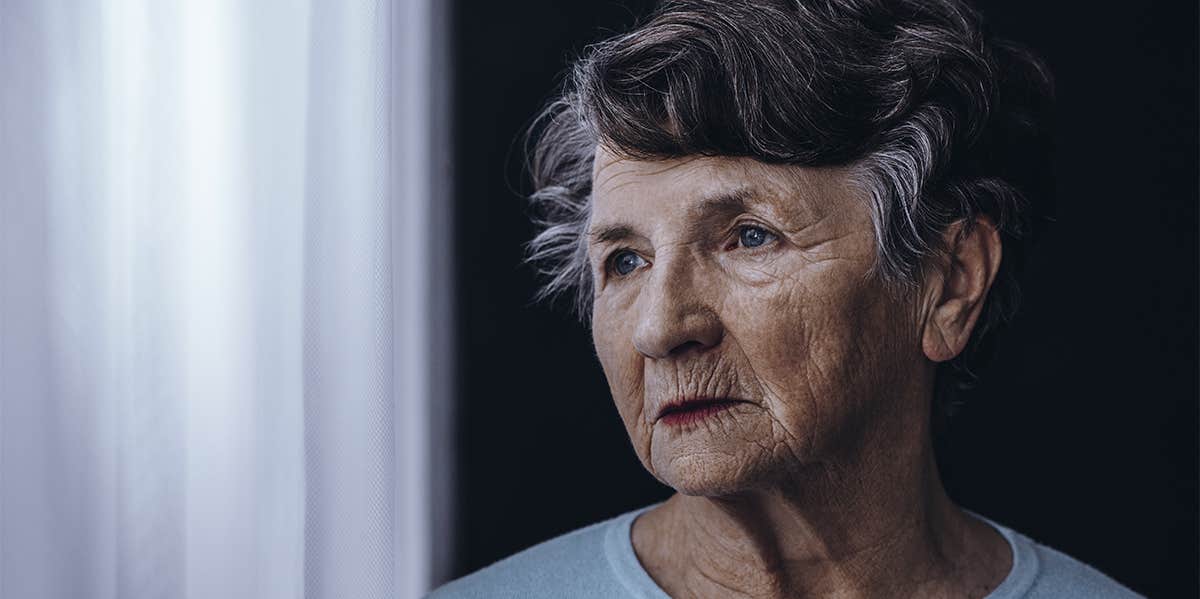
column 570, row 565
column 1064, row 576
column 1042, row 572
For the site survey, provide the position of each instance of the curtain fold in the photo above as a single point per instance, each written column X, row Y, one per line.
column 222, row 338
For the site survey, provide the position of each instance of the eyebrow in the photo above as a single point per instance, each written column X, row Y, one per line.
column 609, row 233
column 723, row 204
column 728, row 202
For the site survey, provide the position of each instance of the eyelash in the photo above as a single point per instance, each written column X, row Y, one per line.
column 611, row 261
column 741, row 227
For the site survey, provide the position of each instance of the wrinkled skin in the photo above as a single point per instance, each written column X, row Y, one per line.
column 827, row 454
column 796, row 327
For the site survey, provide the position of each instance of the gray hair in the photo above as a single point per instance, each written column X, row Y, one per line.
column 940, row 122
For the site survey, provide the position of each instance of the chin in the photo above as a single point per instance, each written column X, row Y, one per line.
column 708, row 473
column 715, row 458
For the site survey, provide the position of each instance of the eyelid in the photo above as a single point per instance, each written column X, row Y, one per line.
column 611, row 259
column 737, row 234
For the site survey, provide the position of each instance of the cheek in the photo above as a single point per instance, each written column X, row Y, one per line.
column 796, row 328
column 808, row 341
column 612, row 334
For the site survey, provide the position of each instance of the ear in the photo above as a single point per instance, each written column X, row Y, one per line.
column 958, row 286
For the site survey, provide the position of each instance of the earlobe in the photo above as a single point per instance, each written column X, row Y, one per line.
column 935, row 345
column 963, row 279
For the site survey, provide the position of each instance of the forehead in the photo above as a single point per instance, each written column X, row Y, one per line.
column 631, row 189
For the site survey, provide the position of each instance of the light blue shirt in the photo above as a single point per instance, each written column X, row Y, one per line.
column 598, row 561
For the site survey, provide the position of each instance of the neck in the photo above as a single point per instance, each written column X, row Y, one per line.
column 843, row 529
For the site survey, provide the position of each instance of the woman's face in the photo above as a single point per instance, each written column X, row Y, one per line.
column 730, row 279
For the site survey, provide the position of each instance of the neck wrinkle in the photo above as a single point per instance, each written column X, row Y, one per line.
column 825, row 531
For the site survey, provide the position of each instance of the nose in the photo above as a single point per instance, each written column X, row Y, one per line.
column 674, row 315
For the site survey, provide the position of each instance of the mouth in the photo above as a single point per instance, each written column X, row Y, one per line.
column 690, row 411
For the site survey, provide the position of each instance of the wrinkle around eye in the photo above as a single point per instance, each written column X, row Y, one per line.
column 770, row 237
column 612, row 263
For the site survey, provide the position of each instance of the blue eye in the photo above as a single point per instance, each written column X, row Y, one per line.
column 753, row 237
column 625, row 262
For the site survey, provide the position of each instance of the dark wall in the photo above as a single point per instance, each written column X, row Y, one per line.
column 1084, row 434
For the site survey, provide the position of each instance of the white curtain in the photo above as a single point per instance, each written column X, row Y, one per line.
column 224, row 291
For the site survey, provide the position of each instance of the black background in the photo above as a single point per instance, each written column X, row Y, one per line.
column 1084, row 433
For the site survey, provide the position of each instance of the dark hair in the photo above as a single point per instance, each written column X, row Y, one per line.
column 941, row 121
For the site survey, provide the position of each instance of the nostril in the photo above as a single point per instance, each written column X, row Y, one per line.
column 666, row 328
column 687, row 346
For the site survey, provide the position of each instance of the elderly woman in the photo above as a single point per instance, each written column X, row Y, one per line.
column 790, row 223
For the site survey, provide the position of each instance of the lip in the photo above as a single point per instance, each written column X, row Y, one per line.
column 694, row 409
